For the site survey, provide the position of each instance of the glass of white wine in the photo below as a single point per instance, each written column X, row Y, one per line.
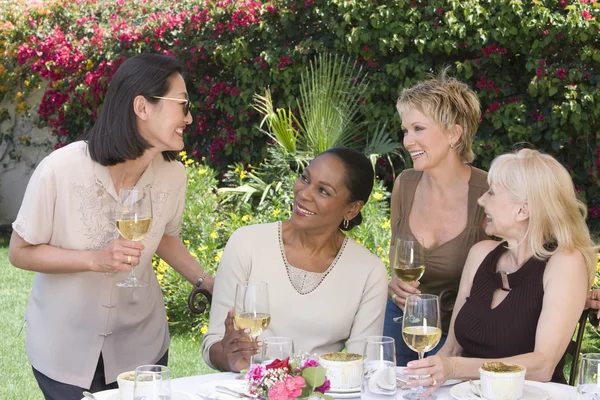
column 409, row 259
column 251, row 309
column 133, row 222
column 421, row 330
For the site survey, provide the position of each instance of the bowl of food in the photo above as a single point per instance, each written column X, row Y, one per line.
column 126, row 381
column 344, row 370
column 500, row 381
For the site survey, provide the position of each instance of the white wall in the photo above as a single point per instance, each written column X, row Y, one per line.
column 14, row 175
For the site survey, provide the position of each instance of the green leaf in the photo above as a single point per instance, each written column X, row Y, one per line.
column 314, row 376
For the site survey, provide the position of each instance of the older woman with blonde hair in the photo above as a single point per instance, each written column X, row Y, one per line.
column 514, row 304
column 436, row 200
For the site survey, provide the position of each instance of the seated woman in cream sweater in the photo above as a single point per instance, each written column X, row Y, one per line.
column 326, row 291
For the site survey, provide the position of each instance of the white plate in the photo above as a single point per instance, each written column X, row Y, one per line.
column 113, row 394
column 530, row 392
column 209, row 389
column 340, row 390
column 449, row 382
column 346, row 395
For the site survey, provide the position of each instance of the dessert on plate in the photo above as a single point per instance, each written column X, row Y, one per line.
column 500, row 381
column 344, row 370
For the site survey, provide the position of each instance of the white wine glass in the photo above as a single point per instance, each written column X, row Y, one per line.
column 152, row 382
column 421, row 330
column 251, row 309
column 134, row 220
column 409, row 259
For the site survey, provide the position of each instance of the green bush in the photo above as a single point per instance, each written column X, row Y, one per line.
column 533, row 64
column 210, row 218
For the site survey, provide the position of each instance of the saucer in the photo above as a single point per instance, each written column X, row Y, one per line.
column 449, row 382
column 346, row 390
column 530, row 392
column 113, row 394
column 209, row 389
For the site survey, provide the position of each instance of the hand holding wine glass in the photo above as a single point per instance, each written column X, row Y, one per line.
column 409, row 259
column 421, row 329
column 252, row 308
column 134, row 220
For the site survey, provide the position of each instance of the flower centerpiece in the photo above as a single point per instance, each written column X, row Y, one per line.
column 300, row 377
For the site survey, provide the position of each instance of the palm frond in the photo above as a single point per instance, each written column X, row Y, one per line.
column 280, row 123
column 330, row 94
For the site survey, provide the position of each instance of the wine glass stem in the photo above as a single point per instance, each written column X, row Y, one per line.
column 253, row 340
column 420, row 390
column 131, row 274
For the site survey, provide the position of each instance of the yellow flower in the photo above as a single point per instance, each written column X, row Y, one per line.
column 204, row 329
column 21, row 107
column 243, row 174
column 160, row 277
column 20, row 96
column 193, row 339
column 386, row 224
column 89, row 64
column 189, row 161
column 246, row 218
column 276, row 212
column 186, row 241
column 183, row 155
column 357, row 240
column 218, row 256
column 201, row 171
column 377, row 196
column 213, row 235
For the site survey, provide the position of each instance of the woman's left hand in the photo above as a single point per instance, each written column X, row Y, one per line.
column 435, row 369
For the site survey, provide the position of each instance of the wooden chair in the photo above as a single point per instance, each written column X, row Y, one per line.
column 574, row 347
column 198, row 306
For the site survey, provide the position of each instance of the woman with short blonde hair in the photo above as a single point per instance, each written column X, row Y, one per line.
column 519, row 301
column 436, row 200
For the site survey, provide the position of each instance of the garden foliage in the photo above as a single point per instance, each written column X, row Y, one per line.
column 534, row 64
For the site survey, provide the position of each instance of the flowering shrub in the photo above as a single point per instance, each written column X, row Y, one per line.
column 285, row 379
column 533, row 65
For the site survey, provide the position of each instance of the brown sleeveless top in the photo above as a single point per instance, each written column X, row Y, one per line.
column 444, row 264
column 509, row 329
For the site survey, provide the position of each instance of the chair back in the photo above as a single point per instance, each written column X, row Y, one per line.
column 574, row 347
column 198, row 306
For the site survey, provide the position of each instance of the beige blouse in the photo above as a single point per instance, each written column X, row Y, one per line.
column 70, row 202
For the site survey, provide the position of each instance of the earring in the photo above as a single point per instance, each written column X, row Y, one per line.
column 451, row 145
column 346, row 223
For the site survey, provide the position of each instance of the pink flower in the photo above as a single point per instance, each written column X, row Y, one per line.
column 586, row 14
column 560, row 73
column 278, row 392
column 256, row 373
column 324, row 387
column 294, row 386
column 563, row 3
column 309, row 362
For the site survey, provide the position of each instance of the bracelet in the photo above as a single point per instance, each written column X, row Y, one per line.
column 201, row 279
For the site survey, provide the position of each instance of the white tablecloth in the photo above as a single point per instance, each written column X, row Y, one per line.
column 193, row 384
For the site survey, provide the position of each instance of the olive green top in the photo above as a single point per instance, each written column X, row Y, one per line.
column 444, row 264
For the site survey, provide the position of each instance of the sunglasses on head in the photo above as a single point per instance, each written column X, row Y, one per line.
column 186, row 103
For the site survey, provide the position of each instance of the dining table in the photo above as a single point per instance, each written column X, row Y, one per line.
column 205, row 384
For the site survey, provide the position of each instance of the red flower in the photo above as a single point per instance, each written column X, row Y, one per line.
column 277, row 363
column 586, row 14
column 561, row 73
